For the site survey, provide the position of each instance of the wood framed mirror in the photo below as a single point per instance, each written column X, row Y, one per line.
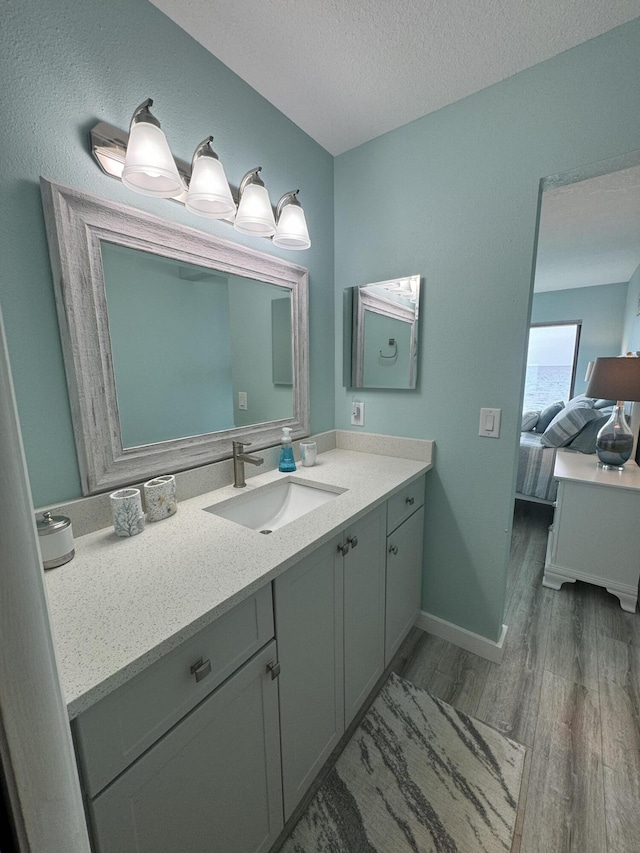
column 169, row 341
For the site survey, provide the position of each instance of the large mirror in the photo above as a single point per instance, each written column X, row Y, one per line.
column 382, row 318
column 175, row 342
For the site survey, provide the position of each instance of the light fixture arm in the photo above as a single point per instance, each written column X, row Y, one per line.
column 287, row 198
column 252, row 177
column 204, row 150
column 142, row 113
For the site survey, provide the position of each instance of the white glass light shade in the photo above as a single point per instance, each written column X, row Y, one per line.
column 209, row 194
column 292, row 232
column 255, row 215
column 149, row 167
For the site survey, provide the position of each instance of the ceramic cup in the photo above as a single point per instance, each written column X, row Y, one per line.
column 308, row 453
column 126, row 510
column 160, row 497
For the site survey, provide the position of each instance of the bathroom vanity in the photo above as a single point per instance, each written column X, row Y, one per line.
column 210, row 670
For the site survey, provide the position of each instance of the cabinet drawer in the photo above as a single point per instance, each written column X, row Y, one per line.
column 119, row 728
column 404, row 503
column 212, row 783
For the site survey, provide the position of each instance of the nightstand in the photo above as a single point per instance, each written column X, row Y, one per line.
column 595, row 535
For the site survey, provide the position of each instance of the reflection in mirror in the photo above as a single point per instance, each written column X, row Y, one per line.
column 384, row 342
column 197, row 337
column 175, row 342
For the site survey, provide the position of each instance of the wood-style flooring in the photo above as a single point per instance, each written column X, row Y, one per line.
column 568, row 688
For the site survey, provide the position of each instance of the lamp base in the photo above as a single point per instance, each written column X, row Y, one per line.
column 614, row 442
column 606, row 467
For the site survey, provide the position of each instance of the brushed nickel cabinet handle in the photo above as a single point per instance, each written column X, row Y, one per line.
column 393, row 549
column 274, row 669
column 410, row 501
column 344, row 548
column 353, row 541
column 201, row 669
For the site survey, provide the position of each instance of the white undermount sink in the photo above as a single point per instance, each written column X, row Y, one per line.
column 270, row 507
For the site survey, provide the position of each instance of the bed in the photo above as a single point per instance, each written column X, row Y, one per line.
column 535, row 470
column 573, row 427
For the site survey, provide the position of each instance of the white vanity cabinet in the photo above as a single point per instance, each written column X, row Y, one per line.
column 211, row 748
column 329, row 611
column 405, row 525
column 186, row 756
column 211, row 785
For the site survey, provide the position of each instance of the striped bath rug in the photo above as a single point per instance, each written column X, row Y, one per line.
column 416, row 776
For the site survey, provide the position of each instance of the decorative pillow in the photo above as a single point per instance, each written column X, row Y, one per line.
column 567, row 424
column 581, row 401
column 585, row 440
column 548, row 414
column 529, row 421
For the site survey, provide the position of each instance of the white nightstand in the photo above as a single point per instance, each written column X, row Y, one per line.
column 595, row 535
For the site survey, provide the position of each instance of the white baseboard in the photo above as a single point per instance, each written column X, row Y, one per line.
column 462, row 638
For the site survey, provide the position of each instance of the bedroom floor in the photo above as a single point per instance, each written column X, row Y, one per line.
column 568, row 688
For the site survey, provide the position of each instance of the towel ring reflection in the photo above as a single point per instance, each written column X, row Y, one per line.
column 392, row 343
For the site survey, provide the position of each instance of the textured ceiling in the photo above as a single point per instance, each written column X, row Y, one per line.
column 346, row 71
column 590, row 232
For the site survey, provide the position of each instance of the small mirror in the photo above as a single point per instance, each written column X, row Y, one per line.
column 382, row 318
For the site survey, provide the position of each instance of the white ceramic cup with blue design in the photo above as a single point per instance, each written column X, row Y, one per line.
column 126, row 511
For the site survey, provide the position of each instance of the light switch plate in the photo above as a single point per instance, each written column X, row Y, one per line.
column 242, row 400
column 490, row 423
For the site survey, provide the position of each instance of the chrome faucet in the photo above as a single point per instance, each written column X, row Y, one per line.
column 239, row 458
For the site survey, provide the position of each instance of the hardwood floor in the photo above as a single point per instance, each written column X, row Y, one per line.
column 568, row 688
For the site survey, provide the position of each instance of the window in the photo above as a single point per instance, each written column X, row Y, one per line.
column 551, row 364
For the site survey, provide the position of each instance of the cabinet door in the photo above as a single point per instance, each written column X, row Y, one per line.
column 364, row 605
column 308, row 610
column 211, row 785
column 404, row 581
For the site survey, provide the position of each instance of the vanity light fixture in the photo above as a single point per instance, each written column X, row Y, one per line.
column 255, row 215
column 149, row 167
column 143, row 161
column 209, row 193
column 291, row 230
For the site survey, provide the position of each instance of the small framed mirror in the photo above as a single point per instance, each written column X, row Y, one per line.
column 175, row 342
column 381, row 334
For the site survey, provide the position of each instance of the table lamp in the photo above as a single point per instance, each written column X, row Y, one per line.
column 615, row 379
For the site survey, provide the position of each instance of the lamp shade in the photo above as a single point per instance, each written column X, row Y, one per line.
column 615, row 379
column 209, row 193
column 292, row 232
column 149, row 167
column 254, row 215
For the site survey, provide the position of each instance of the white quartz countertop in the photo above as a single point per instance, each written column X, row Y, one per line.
column 121, row 604
column 583, row 468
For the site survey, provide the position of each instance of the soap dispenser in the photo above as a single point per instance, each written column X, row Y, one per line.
column 287, row 462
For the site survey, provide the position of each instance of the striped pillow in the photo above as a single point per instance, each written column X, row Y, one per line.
column 567, row 424
column 529, row 420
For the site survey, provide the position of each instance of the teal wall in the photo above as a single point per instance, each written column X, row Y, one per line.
column 602, row 311
column 454, row 197
column 631, row 332
column 252, row 353
column 171, row 346
column 69, row 63
column 381, row 371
